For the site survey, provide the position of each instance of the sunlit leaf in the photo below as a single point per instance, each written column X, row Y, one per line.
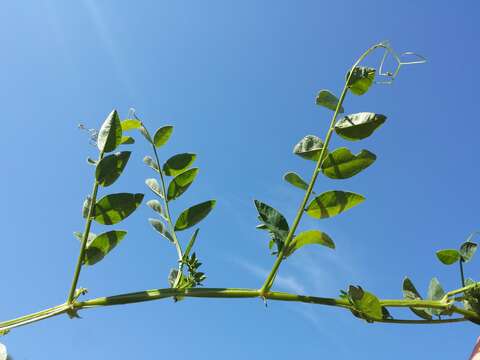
column 361, row 80
column 411, row 293
column 467, row 250
column 86, row 206
column 162, row 135
column 295, row 180
column 101, row 245
column 79, row 236
column 181, row 183
column 193, row 215
column 342, row 164
column 143, row 130
column 131, row 124
column 310, row 237
column 309, row 147
column 113, row 208
column 110, row 134
column 448, row 256
column 327, row 99
column 332, row 203
column 178, row 163
column 161, row 228
column 190, row 244
column 111, row 167
column 359, row 126
column 152, row 163
column 366, row 303
column 155, row 187
column 127, row 140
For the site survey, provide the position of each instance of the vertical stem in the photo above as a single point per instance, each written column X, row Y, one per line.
column 86, row 232
column 270, row 279
column 167, row 213
column 461, row 273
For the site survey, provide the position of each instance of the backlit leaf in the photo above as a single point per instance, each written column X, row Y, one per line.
column 113, row 208
column 157, row 207
column 131, row 124
column 359, row 126
column 467, row 250
column 178, row 163
column 152, row 163
column 310, row 237
column 101, row 245
column 435, row 292
column 332, row 203
column 155, row 187
column 342, row 164
column 361, row 80
column 309, row 147
column 161, row 228
column 327, row 99
column 162, row 135
column 181, row 183
column 193, row 215
column 110, row 134
column 411, row 293
column 448, row 256
column 295, row 180
column 127, row 140
column 111, row 167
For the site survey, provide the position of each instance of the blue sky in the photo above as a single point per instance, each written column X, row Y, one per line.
column 238, row 82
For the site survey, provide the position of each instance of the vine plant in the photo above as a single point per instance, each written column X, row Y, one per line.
column 185, row 279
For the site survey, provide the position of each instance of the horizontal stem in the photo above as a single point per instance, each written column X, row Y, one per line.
column 234, row 293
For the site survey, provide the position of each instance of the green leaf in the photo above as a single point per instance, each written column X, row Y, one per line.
column 178, row 163
column 272, row 219
column 193, row 215
column 152, row 163
column 435, row 292
column 181, row 183
column 131, row 124
column 155, row 187
column 110, row 134
column 143, row 130
column 162, row 230
column 157, row 207
column 342, row 164
column 361, row 79
column 327, row 99
column 309, row 147
column 111, row 167
column 359, row 126
column 113, row 208
column 467, row 250
column 162, row 135
column 332, row 203
column 190, row 244
column 127, row 140
column 101, row 245
column 366, row 303
column 295, row 180
column 90, row 161
column 310, row 237
column 448, row 256
column 411, row 293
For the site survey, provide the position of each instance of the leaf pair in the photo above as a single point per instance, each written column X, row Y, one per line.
column 435, row 292
column 365, row 304
column 464, row 254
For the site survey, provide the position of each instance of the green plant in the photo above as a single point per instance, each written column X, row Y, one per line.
column 185, row 278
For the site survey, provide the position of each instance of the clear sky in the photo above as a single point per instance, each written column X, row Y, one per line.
column 238, row 80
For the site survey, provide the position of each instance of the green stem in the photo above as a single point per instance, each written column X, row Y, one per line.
column 169, row 217
column 233, row 293
column 86, row 232
column 280, row 257
column 461, row 272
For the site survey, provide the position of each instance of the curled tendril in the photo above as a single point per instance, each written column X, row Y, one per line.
column 92, row 134
column 389, row 76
